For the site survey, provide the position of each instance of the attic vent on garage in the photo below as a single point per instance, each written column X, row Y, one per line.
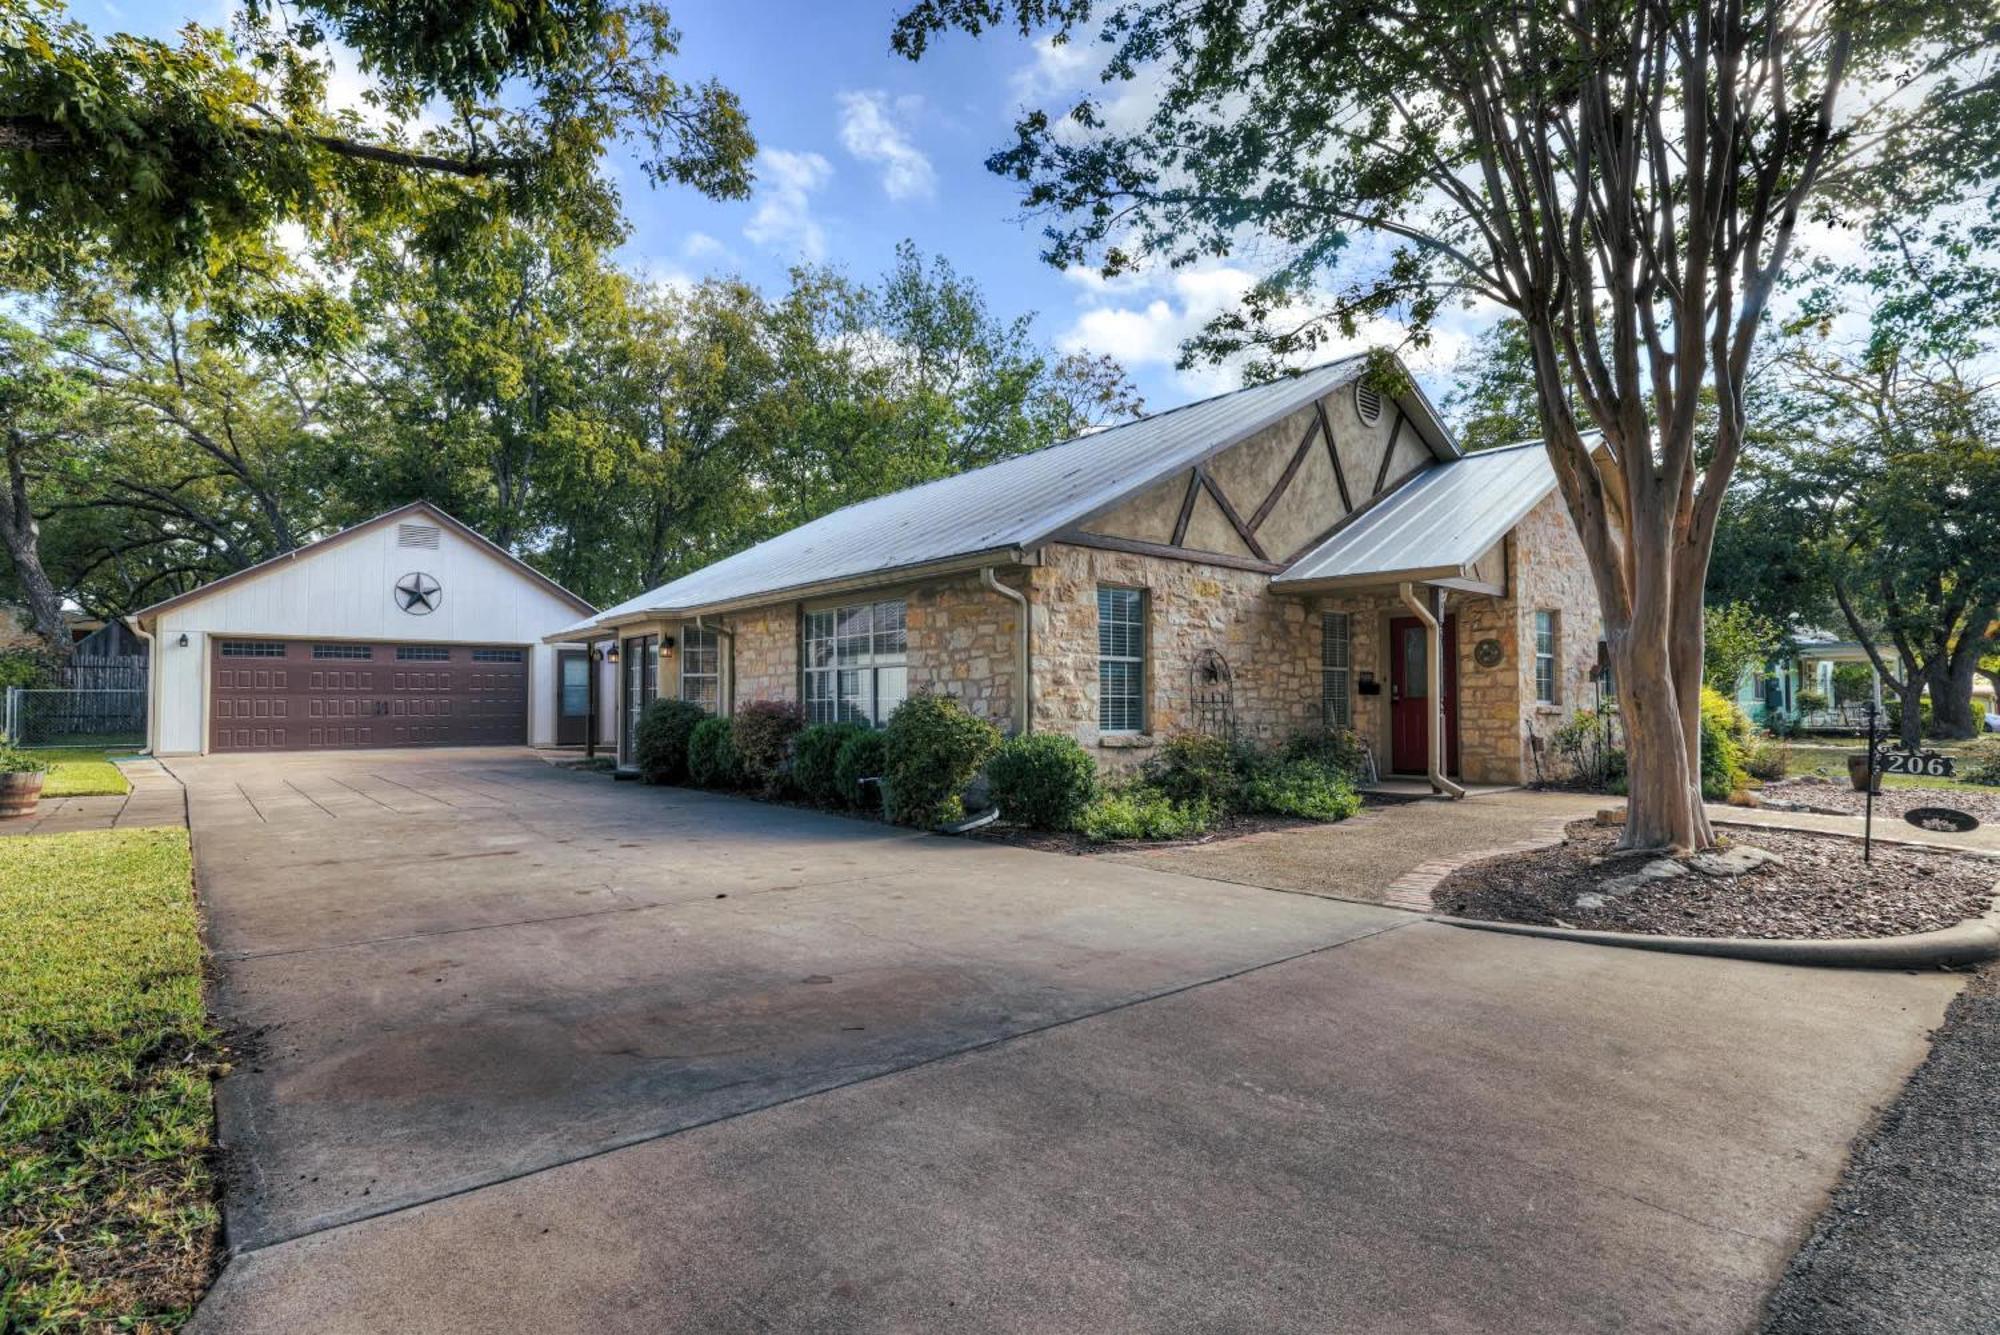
column 417, row 535
column 1367, row 402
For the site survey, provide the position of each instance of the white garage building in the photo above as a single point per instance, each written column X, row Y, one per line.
column 408, row 629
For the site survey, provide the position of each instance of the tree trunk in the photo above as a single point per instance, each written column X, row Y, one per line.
column 1911, row 693
column 1950, row 676
column 22, row 536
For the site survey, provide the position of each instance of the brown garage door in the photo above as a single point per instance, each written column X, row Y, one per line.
column 307, row 695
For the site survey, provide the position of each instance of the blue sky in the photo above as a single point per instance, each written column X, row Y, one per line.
column 860, row 149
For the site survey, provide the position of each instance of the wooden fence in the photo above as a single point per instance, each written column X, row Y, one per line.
column 110, row 672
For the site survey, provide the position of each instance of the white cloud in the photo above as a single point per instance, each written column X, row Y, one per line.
column 874, row 130
column 783, row 220
column 1058, row 68
column 700, row 245
column 1142, row 319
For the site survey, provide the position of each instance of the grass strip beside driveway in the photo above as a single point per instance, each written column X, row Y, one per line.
column 81, row 772
column 108, row 1215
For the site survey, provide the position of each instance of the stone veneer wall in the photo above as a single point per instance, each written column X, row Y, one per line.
column 1554, row 573
column 964, row 642
column 1269, row 642
column 767, row 653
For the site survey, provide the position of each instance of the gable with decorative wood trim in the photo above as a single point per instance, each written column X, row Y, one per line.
column 1266, row 500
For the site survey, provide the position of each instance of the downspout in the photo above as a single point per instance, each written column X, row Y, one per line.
column 1435, row 725
column 725, row 701
column 1023, row 659
column 152, row 678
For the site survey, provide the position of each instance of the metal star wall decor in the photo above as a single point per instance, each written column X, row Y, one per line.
column 418, row 594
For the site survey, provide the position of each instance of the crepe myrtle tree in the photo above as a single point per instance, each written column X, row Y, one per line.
column 1624, row 178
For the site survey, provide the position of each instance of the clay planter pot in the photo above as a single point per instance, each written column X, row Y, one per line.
column 1857, row 773
column 20, row 794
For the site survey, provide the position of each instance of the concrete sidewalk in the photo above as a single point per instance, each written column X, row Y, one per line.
column 156, row 799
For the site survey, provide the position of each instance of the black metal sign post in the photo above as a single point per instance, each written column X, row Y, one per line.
column 1868, row 796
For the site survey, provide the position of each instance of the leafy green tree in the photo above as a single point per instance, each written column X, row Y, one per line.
column 1736, row 638
column 38, row 397
column 1625, row 179
column 179, row 160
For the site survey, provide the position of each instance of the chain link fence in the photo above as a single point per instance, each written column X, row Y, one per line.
column 37, row 717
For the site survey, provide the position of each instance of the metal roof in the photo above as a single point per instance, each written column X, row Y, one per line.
column 1442, row 520
column 1001, row 509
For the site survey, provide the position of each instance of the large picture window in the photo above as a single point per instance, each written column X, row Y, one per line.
column 1335, row 694
column 857, row 662
column 1546, row 639
column 1121, row 659
column 701, row 667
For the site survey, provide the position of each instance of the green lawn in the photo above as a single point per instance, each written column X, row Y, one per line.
column 108, row 1216
column 78, row 771
column 1830, row 762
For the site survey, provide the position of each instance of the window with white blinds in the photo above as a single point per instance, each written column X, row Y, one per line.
column 857, row 663
column 1121, row 659
column 1335, row 674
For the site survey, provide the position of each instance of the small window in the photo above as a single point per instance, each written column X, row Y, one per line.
column 252, row 649
column 701, row 667
column 417, row 535
column 1121, row 659
column 1336, row 706
column 496, row 655
column 1546, row 638
column 1367, row 403
column 422, row 653
column 344, row 651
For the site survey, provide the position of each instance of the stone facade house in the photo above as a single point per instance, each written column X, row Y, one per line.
column 1294, row 555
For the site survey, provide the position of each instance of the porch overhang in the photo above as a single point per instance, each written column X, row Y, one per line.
column 1458, row 578
column 1447, row 527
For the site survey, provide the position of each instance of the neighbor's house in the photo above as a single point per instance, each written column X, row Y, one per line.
column 409, row 629
column 1260, row 563
column 1774, row 691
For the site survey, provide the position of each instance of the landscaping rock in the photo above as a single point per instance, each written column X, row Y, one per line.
column 1733, row 861
column 1591, row 901
column 1659, row 869
column 1611, row 816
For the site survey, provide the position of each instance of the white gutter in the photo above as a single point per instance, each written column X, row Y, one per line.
column 1435, row 725
column 1024, row 657
column 152, row 679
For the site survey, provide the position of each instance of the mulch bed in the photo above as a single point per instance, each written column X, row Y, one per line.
column 1821, row 889
column 1839, row 797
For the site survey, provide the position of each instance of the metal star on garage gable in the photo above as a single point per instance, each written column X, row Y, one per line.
column 418, row 594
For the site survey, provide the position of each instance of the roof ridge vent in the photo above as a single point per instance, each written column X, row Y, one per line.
column 417, row 535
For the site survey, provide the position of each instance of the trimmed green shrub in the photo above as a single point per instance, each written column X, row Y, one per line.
column 1043, row 780
column 1302, row 788
column 815, row 755
column 712, row 758
column 661, row 744
column 862, row 756
column 1141, row 811
column 1724, row 734
column 763, row 736
column 1195, row 767
column 1979, row 761
column 1337, row 749
column 932, row 749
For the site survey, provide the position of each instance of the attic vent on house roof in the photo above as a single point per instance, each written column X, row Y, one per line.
column 1367, row 402
column 417, row 535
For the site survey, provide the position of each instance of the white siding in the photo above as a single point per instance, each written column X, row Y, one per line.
column 346, row 592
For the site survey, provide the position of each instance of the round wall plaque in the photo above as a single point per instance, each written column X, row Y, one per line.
column 1488, row 653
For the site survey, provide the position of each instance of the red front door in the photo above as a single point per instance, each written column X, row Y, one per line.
column 1410, row 703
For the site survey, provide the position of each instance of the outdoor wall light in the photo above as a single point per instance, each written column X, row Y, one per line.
column 611, row 654
column 184, row 639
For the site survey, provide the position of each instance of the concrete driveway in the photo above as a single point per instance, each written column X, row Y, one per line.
column 527, row 1049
